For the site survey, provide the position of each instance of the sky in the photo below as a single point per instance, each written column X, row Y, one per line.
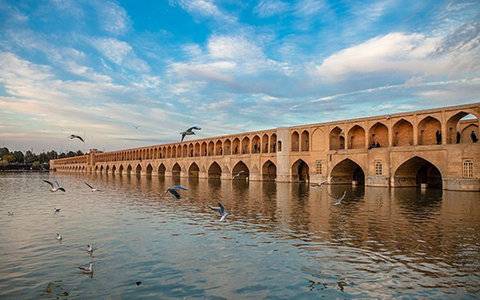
column 135, row 73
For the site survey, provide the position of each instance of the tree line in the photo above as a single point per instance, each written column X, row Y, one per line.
column 17, row 160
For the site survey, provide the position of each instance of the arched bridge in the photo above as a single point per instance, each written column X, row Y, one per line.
column 434, row 148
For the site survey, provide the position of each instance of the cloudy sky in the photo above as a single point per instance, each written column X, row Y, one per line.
column 132, row 73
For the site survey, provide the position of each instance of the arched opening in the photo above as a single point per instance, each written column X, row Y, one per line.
column 169, row 152
column 190, row 150
column 197, row 149
column 218, row 148
column 273, row 143
column 107, row 168
column 347, row 172
column 402, row 133
column 101, row 169
column 300, row 171
column 378, row 136
column 211, row 148
column 176, row 170
column 214, row 171
column 236, row 146
column 185, row 150
column 149, row 170
column 114, row 169
column 228, row 147
column 269, row 171
column 204, row 149
column 337, row 139
column 462, row 128
column 138, row 169
column 120, row 169
column 161, row 170
column 295, row 141
column 305, row 140
column 429, row 131
column 246, row 145
column 193, row 170
column 179, row 151
column 240, row 171
column 256, row 144
column 265, row 143
column 417, row 171
column 356, row 137
column 129, row 170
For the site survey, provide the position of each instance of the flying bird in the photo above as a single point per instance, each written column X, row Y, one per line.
column 57, row 210
column 55, row 187
column 238, row 174
column 318, row 184
column 338, row 200
column 10, row 213
column 189, row 131
column 173, row 190
column 87, row 270
column 59, row 237
column 92, row 188
column 221, row 210
column 73, row 136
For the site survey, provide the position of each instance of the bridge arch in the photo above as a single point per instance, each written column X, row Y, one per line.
column 176, row 170
column 149, row 170
column 269, row 171
column 273, row 143
column 101, row 169
column 236, row 146
column 161, row 170
column 300, row 171
column 129, row 170
column 416, row 171
column 256, row 148
column 356, row 137
column 204, row 149
column 265, row 143
column 378, row 136
column 107, row 168
column 346, row 172
column 218, row 148
column 305, row 141
column 240, row 170
column 211, row 148
column 138, row 169
column 227, row 145
column 459, row 133
column 214, row 171
column 114, row 169
column 120, row 169
column 295, row 141
column 193, row 170
column 429, row 131
column 402, row 133
column 245, row 145
column 337, row 139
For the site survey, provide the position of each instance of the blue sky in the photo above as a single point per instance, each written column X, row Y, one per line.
column 132, row 73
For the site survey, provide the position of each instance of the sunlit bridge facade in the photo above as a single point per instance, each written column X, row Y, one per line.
column 436, row 148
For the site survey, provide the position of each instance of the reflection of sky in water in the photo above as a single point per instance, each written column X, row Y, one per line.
column 281, row 240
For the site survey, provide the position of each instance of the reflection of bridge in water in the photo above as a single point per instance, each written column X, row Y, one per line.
column 434, row 147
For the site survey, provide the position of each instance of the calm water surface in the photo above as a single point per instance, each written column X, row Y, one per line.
column 281, row 241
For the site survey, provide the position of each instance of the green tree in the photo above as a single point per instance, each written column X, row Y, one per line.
column 30, row 157
column 4, row 151
column 19, row 158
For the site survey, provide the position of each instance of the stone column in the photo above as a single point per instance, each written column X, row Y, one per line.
column 283, row 156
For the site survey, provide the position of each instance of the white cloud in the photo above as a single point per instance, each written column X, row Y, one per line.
column 233, row 48
column 112, row 17
column 268, row 8
column 120, row 53
column 206, row 8
column 308, row 8
column 396, row 52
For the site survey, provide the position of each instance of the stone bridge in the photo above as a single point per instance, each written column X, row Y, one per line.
column 428, row 148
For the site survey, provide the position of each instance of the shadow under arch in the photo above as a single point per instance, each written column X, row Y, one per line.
column 416, row 171
column 193, row 170
column 161, row 170
column 347, row 172
column 214, row 171
column 269, row 171
column 300, row 171
column 240, row 171
column 176, row 170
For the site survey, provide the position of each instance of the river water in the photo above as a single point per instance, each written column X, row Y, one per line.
column 281, row 240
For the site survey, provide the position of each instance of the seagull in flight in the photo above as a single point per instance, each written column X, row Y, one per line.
column 173, row 190
column 87, row 270
column 57, row 210
column 189, row 131
column 221, row 210
column 55, row 187
column 59, row 237
column 338, row 200
column 238, row 174
column 73, row 136
column 92, row 188
column 318, row 184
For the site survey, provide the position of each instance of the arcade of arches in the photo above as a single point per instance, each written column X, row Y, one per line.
column 436, row 148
